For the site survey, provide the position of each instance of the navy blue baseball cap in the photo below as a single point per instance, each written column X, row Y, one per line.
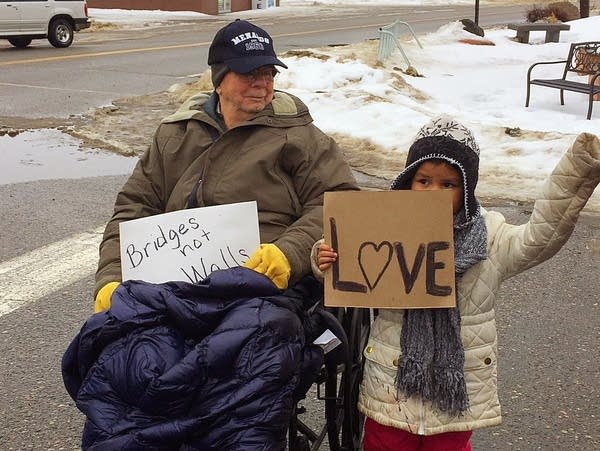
column 242, row 47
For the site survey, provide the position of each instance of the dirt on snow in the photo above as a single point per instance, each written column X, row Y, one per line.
column 126, row 126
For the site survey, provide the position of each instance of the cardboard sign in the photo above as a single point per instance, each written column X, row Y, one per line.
column 187, row 245
column 395, row 249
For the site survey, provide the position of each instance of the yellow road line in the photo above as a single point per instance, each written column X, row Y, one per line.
column 199, row 44
column 93, row 55
column 166, row 47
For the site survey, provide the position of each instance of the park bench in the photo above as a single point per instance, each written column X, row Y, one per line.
column 552, row 30
column 583, row 59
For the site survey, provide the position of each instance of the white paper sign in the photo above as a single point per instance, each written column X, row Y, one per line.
column 188, row 245
column 328, row 341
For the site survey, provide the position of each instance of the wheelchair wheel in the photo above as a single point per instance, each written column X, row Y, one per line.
column 344, row 422
column 302, row 437
column 301, row 443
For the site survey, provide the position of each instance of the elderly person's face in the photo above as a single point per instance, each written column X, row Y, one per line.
column 243, row 95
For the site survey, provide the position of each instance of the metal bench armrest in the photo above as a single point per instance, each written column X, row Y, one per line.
column 540, row 63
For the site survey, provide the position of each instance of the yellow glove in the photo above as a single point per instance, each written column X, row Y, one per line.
column 103, row 298
column 270, row 261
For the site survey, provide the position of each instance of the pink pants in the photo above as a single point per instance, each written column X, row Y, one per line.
column 387, row 438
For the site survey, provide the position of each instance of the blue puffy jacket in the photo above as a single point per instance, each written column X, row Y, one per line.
column 210, row 366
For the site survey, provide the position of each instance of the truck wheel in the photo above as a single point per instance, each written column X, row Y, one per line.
column 20, row 43
column 60, row 33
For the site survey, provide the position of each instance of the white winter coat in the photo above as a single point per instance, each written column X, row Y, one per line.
column 511, row 250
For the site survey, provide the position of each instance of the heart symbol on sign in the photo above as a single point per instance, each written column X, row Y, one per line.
column 377, row 260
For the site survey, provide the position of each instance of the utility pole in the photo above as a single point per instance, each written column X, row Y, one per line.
column 477, row 12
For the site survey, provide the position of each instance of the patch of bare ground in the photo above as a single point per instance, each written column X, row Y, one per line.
column 369, row 158
column 102, row 26
column 365, row 51
column 126, row 127
column 25, row 123
column 400, row 84
column 305, row 54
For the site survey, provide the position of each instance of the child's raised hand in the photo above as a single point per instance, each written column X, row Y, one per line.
column 326, row 256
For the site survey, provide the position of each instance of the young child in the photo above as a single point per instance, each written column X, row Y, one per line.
column 430, row 374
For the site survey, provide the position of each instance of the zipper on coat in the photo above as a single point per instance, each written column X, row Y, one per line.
column 193, row 199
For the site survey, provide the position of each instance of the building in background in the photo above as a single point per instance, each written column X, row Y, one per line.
column 202, row 6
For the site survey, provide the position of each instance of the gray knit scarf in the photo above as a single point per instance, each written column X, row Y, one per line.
column 433, row 357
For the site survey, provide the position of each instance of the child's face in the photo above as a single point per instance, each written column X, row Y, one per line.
column 434, row 175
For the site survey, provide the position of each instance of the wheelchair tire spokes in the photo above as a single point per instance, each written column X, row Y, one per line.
column 345, row 422
column 341, row 378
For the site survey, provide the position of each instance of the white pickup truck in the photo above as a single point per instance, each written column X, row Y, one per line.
column 57, row 20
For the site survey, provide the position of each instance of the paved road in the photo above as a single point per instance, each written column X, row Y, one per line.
column 549, row 327
column 45, row 82
column 549, row 320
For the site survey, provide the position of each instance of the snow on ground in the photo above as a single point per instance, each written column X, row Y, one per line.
column 378, row 109
column 482, row 86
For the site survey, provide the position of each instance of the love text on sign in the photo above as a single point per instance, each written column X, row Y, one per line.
column 395, row 249
column 188, row 245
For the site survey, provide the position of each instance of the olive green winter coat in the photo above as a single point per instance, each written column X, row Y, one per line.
column 278, row 158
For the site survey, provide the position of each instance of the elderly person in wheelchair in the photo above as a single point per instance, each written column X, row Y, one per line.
column 220, row 364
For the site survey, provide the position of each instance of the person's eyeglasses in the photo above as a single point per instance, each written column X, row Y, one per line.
column 267, row 75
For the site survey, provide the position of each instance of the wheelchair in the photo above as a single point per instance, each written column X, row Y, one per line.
column 337, row 385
